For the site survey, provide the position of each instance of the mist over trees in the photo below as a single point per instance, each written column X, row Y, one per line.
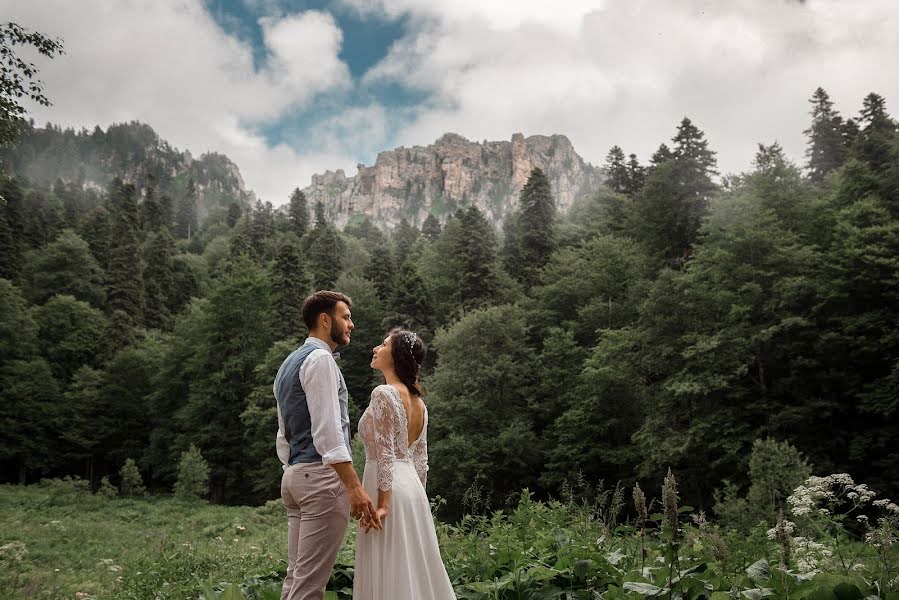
column 672, row 318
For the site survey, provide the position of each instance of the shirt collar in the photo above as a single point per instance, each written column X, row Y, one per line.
column 320, row 343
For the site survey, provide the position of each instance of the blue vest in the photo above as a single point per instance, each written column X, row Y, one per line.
column 295, row 412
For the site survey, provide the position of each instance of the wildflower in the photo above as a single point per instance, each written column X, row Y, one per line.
column 669, row 501
column 640, row 506
column 862, row 518
column 782, row 533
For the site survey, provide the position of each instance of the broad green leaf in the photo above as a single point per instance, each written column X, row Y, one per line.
column 759, row 570
column 847, row 591
column 757, row 593
column 645, row 589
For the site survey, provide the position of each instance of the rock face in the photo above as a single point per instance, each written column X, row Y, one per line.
column 452, row 173
column 134, row 153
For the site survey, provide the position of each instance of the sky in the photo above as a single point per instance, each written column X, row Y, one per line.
column 290, row 88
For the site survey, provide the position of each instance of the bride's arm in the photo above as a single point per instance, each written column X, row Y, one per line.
column 384, row 418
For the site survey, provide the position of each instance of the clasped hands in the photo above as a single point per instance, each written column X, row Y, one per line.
column 363, row 510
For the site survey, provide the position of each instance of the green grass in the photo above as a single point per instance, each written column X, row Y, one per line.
column 57, row 540
column 75, row 542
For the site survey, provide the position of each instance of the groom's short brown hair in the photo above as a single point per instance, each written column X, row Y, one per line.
column 322, row 301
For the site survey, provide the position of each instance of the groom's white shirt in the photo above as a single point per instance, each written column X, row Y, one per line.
column 319, row 377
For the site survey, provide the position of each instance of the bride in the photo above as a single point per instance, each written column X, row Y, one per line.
column 401, row 559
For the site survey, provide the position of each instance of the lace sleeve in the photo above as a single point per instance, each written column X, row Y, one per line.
column 384, row 418
column 420, row 457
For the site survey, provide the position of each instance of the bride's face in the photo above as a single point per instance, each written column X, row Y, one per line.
column 381, row 357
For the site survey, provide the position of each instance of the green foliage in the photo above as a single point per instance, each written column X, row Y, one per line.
column 132, row 482
column 193, row 475
column 65, row 266
column 107, row 490
column 19, row 77
column 71, row 334
column 775, row 470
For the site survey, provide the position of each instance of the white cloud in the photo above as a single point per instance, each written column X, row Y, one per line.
column 601, row 72
column 169, row 64
column 627, row 72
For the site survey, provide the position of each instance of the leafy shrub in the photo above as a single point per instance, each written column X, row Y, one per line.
column 193, row 475
column 132, row 482
column 106, row 489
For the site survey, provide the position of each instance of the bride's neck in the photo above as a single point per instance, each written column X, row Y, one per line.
column 390, row 377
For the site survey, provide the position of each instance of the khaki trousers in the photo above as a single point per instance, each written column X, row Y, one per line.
column 317, row 514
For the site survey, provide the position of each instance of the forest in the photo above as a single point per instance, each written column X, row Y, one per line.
column 677, row 318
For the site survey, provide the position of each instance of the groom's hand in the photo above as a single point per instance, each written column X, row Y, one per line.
column 361, row 506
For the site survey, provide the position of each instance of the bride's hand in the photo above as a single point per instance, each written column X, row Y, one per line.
column 375, row 522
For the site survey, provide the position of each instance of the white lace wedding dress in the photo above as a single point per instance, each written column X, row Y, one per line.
column 402, row 561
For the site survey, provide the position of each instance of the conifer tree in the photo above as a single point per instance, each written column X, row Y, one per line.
column 636, row 175
column 186, row 219
column 262, row 230
column 430, row 229
column 476, row 250
column 158, row 278
column 234, row 213
column 662, row 154
column 381, row 270
column 617, row 178
column 536, row 229
column 11, row 244
column 325, row 250
column 124, row 271
column 290, row 285
column 826, row 146
column 298, row 213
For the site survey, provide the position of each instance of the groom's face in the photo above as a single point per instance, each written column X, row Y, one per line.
column 341, row 324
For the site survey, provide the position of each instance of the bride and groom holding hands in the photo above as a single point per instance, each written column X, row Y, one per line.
column 397, row 556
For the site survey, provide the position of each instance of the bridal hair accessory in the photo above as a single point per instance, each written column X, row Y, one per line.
column 409, row 338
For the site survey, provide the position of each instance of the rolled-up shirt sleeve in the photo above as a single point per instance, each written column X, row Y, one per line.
column 281, row 445
column 319, row 378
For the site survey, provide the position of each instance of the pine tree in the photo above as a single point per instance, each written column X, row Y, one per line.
column 411, row 301
column 403, row 237
column 476, row 250
column 186, row 219
column 290, row 285
column 11, row 243
column 636, row 175
column 617, row 178
column 234, row 213
column 381, row 270
column 325, row 251
column 158, row 279
column 430, row 229
column 298, row 213
column 874, row 143
column 152, row 217
column 538, row 213
column 826, row 146
column 262, row 230
column 690, row 145
column 124, row 271
column 661, row 155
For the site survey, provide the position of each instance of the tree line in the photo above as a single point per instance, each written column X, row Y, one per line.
column 673, row 318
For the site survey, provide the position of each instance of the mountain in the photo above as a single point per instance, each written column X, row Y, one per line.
column 452, row 173
column 132, row 152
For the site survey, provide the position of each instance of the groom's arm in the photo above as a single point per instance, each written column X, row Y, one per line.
column 318, row 376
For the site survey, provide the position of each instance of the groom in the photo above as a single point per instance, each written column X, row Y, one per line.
column 319, row 486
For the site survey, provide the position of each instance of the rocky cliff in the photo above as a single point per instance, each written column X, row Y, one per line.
column 132, row 152
column 452, row 173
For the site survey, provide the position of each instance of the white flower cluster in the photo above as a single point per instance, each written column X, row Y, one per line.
column 888, row 505
column 831, row 489
column 809, row 554
column 788, row 526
